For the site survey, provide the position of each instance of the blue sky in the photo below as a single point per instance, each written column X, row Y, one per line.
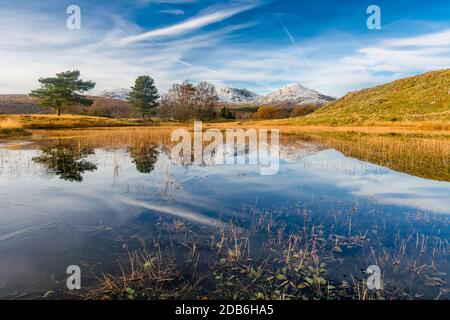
column 257, row 44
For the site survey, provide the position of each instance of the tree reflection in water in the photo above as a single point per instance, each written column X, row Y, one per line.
column 66, row 161
column 144, row 157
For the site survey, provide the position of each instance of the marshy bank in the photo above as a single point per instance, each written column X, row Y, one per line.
column 422, row 155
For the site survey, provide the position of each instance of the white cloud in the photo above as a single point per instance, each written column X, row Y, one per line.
column 433, row 39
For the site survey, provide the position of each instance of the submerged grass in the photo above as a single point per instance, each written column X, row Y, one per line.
column 288, row 253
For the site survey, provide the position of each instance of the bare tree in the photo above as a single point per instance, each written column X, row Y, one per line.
column 182, row 101
column 205, row 101
column 165, row 106
column 186, row 102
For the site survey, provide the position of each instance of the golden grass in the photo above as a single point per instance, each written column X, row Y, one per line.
column 10, row 127
column 298, row 124
column 34, row 121
column 422, row 155
column 10, row 123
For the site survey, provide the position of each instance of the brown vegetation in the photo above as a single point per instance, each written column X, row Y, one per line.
column 266, row 113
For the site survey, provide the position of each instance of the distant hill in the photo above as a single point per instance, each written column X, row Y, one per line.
column 20, row 103
column 24, row 104
column 424, row 97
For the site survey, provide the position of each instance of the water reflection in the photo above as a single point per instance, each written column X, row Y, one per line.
column 66, row 161
column 144, row 157
column 366, row 209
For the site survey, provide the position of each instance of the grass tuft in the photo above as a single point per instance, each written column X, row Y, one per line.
column 10, row 127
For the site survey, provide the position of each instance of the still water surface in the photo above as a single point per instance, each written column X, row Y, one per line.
column 106, row 201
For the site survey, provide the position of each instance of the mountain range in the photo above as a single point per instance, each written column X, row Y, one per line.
column 292, row 94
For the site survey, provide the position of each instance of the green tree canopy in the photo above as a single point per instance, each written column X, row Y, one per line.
column 63, row 91
column 144, row 96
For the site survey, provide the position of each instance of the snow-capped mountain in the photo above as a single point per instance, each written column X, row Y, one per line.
column 121, row 94
column 234, row 95
column 294, row 94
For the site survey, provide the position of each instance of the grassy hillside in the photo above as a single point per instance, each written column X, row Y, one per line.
column 420, row 98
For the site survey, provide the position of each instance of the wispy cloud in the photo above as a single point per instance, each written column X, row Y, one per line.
column 175, row 12
column 288, row 33
column 170, row 1
column 197, row 22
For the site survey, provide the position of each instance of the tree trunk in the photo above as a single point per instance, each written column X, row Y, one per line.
column 58, row 111
column 142, row 116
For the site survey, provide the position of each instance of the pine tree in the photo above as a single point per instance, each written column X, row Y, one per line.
column 144, row 96
column 63, row 91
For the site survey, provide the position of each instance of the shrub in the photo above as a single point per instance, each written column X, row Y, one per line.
column 226, row 113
